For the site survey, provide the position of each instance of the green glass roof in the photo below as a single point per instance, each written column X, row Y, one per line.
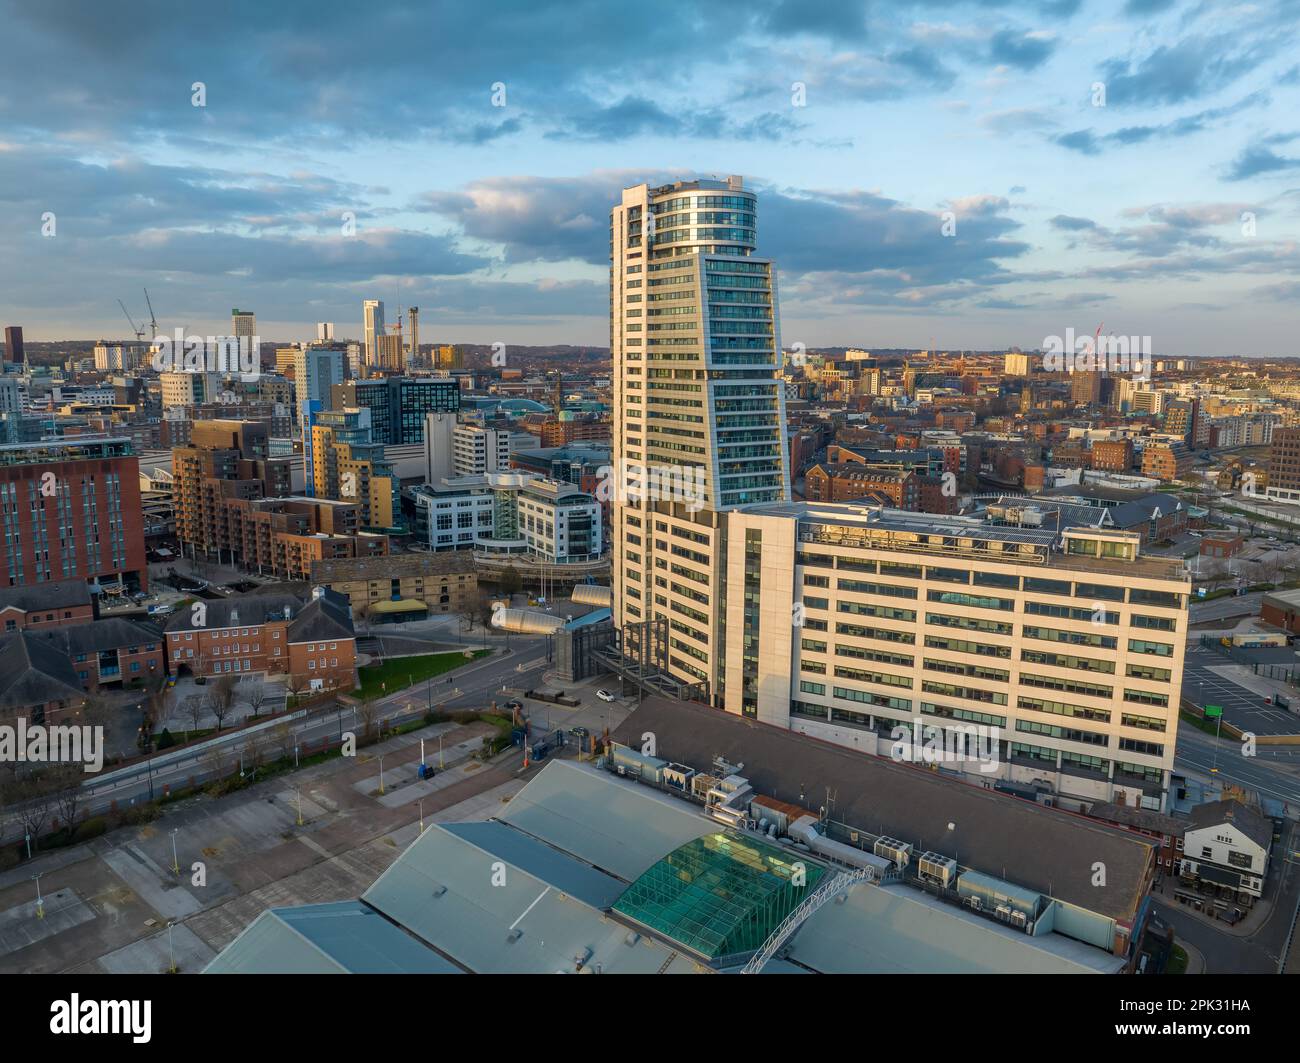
column 720, row 894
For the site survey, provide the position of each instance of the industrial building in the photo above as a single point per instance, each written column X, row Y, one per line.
column 584, row 872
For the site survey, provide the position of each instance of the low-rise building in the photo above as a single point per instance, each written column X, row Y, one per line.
column 45, row 605
column 279, row 633
column 400, row 587
column 1227, row 844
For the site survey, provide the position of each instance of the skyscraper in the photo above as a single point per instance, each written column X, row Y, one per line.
column 244, row 323
column 14, row 343
column 373, row 312
column 699, row 411
column 315, row 371
column 325, row 331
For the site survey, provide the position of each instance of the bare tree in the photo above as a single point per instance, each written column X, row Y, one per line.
column 195, row 706
column 296, row 684
column 368, row 711
column 256, row 697
column 31, row 796
column 66, row 780
column 282, row 735
column 221, row 698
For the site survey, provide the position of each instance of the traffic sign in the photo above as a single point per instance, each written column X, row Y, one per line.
column 1212, row 711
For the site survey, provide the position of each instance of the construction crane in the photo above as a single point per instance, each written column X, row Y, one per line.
column 139, row 332
column 153, row 321
column 1096, row 350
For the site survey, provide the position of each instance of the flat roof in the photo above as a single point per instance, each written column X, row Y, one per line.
column 1044, row 849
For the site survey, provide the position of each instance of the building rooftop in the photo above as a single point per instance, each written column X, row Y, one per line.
column 719, row 894
column 392, row 566
column 1024, row 843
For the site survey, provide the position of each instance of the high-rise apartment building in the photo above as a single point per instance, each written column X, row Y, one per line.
column 699, row 408
column 316, row 370
column 14, row 350
column 372, row 328
column 71, row 509
column 225, row 460
column 350, row 467
column 1284, row 466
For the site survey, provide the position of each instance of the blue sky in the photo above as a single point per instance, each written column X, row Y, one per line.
column 494, row 219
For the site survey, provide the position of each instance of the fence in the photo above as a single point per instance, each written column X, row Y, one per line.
column 1287, row 673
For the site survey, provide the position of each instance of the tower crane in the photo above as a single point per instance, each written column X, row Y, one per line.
column 139, row 332
column 153, row 321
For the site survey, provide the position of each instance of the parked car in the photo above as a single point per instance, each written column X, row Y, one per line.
column 579, row 732
column 604, row 695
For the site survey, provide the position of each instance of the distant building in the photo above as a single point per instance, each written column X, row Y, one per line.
column 1284, row 466
column 400, row 587
column 1166, row 461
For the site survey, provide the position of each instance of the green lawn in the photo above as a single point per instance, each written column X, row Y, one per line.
column 1177, row 961
column 378, row 680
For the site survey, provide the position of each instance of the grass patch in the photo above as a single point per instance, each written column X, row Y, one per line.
column 401, row 673
column 1177, row 961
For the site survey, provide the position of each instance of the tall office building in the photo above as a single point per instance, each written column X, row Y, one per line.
column 413, row 357
column 244, row 323
column 316, row 370
column 398, row 405
column 373, row 329
column 14, row 351
column 699, row 411
column 325, row 331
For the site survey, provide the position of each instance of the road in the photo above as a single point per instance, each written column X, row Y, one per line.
column 1258, row 952
column 472, row 686
column 1222, row 608
column 1273, row 772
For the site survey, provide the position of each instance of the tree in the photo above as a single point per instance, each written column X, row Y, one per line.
column 66, row 780
column 256, row 696
column 511, row 581
column 194, row 709
column 31, row 796
column 282, row 735
column 221, row 698
column 361, row 611
column 367, row 712
column 296, row 684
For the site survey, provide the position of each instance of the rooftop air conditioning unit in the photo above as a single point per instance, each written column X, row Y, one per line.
column 937, row 867
column 900, row 853
column 1018, row 918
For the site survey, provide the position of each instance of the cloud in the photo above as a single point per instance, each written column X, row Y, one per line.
column 1090, row 143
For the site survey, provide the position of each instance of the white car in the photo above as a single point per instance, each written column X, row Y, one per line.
column 604, row 695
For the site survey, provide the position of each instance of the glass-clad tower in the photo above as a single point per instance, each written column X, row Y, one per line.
column 699, row 413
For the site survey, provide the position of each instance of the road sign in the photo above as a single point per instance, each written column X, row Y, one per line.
column 1212, row 711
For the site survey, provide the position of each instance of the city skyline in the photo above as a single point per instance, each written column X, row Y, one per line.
column 859, row 135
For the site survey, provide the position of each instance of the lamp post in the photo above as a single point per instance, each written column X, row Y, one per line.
column 381, row 773
column 171, row 951
column 176, row 864
column 40, row 901
column 952, row 827
column 298, row 793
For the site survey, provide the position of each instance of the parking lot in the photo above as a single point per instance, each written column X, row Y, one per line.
column 1211, row 678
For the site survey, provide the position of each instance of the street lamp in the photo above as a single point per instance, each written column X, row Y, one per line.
column 952, row 827
column 176, row 864
column 381, row 773
column 171, row 951
column 40, row 901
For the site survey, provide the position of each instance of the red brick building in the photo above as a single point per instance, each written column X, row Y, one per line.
column 313, row 641
column 91, row 488
column 1112, row 455
column 45, row 605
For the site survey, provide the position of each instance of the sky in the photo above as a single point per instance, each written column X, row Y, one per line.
column 972, row 175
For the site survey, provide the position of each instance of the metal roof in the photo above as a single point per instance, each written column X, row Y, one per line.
column 343, row 938
column 894, row 930
column 617, row 826
column 491, row 915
